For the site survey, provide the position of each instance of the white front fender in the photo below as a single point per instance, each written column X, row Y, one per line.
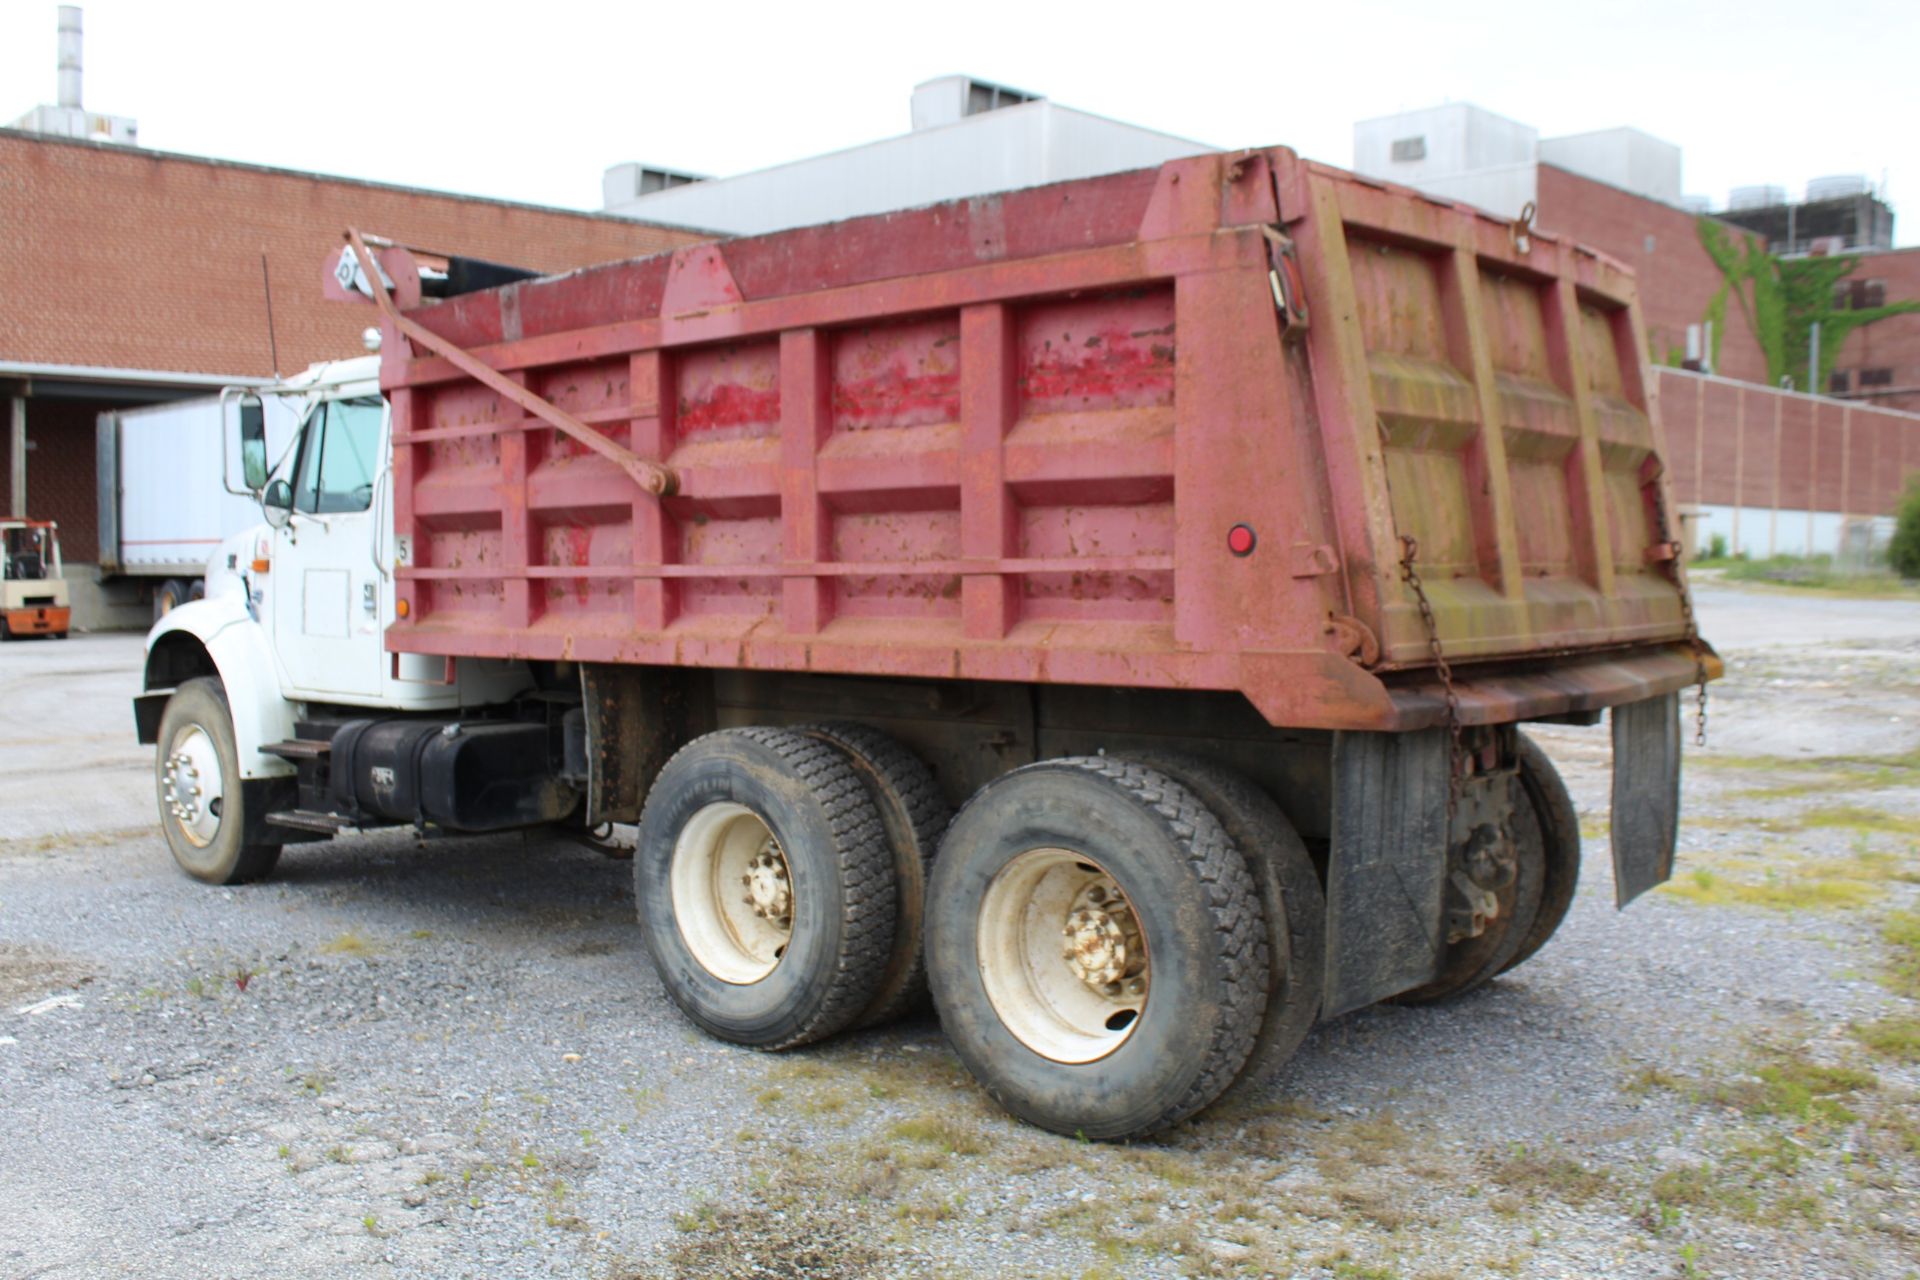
column 222, row 628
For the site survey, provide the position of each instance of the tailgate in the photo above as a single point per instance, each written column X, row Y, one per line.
column 1482, row 390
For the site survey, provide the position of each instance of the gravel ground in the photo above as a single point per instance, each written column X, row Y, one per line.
column 451, row 1059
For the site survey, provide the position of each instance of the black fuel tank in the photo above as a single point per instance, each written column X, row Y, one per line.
column 465, row 776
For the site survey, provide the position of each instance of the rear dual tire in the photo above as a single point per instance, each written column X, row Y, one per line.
column 1291, row 899
column 913, row 817
column 765, row 887
column 1546, row 833
column 1096, row 946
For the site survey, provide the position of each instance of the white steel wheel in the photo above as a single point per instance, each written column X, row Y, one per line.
column 765, row 887
column 1095, row 947
column 203, row 802
column 732, row 893
column 191, row 787
column 1062, row 956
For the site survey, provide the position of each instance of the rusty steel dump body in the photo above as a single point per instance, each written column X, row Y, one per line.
column 1163, row 429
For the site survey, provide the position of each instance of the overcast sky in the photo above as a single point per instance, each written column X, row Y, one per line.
column 533, row 101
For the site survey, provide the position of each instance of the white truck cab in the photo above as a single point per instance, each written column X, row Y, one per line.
column 290, row 631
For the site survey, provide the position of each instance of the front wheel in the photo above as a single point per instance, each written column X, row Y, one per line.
column 1096, row 947
column 196, row 773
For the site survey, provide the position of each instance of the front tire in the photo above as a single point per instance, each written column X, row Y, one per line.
column 1096, row 947
column 765, row 885
column 196, row 772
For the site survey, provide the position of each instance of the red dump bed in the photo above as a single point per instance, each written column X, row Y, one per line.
column 1160, row 429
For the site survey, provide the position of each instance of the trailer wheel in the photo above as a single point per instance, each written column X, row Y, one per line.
column 167, row 597
column 1558, row 849
column 1096, row 947
column 915, row 815
column 765, row 886
column 196, row 773
column 1294, row 904
column 1471, row 963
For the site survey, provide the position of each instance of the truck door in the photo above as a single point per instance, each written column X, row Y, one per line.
column 326, row 592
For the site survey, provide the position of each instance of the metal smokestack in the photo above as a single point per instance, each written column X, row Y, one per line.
column 70, row 56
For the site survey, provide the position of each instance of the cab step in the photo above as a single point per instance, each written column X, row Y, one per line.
column 299, row 749
column 312, row 820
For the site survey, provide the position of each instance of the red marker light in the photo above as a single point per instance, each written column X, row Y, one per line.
column 1240, row 540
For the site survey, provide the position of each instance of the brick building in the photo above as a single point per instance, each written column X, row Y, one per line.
column 1879, row 364
column 132, row 276
column 1662, row 244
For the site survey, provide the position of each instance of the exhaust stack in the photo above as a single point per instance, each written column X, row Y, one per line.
column 70, row 56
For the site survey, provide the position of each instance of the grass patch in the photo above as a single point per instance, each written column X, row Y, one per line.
column 1647, row 1079
column 1816, row 574
column 940, row 1132
column 1753, row 1184
column 348, row 944
column 1805, row 890
column 1897, row 769
column 1550, row 1173
column 1857, row 818
column 1897, row 1037
column 1902, row 932
column 1794, row 1086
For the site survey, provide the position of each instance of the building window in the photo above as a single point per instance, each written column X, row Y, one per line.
column 1858, row 295
column 1839, row 383
column 1407, row 150
column 1875, row 378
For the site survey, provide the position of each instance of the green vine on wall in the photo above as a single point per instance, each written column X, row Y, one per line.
column 1782, row 299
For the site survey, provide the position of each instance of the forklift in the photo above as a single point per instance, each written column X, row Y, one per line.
column 33, row 593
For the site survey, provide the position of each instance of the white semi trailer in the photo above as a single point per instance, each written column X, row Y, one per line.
column 169, row 495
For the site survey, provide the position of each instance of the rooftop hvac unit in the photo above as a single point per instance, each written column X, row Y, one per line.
column 1838, row 187
column 1756, row 197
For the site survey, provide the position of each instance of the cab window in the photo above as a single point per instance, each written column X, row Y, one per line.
column 339, row 457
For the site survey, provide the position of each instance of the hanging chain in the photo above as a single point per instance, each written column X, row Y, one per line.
column 1686, row 613
column 1455, row 745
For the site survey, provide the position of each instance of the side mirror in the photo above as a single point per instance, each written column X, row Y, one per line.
column 253, row 443
column 276, row 500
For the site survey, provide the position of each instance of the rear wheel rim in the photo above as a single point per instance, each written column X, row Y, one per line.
column 1062, row 956
column 191, row 786
column 732, row 893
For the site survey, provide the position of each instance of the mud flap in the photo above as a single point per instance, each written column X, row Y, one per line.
column 1386, row 873
column 1646, row 794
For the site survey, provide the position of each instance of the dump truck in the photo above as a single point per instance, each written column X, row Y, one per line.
column 1110, row 608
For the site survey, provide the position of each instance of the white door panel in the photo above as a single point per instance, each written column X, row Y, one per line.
column 325, row 610
column 326, row 591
